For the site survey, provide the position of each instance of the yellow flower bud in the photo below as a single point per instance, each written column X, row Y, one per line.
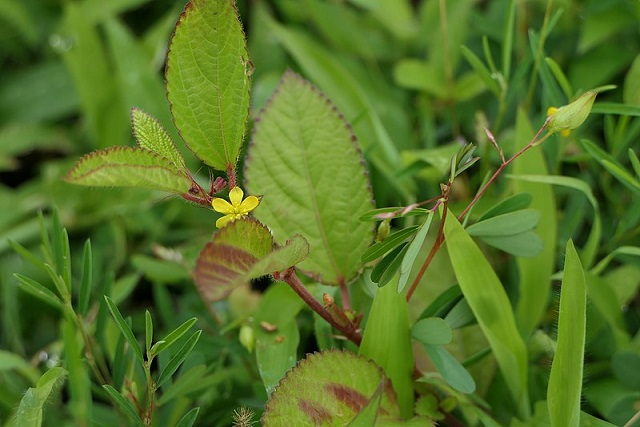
column 571, row 116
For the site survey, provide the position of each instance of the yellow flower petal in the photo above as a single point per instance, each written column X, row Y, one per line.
column 249, row 204
column 222, row 221
column 565, row 132
column 222, row 206
column 551, row 111
column 235, row 195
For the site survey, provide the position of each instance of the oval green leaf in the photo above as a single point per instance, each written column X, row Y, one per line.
column 304, row 159
column 208, row 71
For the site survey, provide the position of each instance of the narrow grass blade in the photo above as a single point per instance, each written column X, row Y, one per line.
column 148, row 331
column 80, row 398
column 125, row 329
column 125, row 406
column 189, row 418
column 388, row 328
column 412, row 252
column 535, row 272
column 39, row 291
column 172, row 337
column 84, row 292
column 490, row 304
column 565, row 382
column 178, row 359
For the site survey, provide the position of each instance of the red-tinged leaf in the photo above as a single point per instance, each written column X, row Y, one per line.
column 240, row 251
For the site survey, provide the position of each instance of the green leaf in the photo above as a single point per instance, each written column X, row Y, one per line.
column 148, row 331
column 590, row 248
column 172, row 337
column 240, row 251
column 534, row 271
column 125, row 329
column 451, row 370
column 481, row 69
column 611, row 164
column 631, row 93
column 304, row 159
column 389, row 265
column 153, row 137
column 86, row 59
column 129, row 167
column 276, row 350
column 378, row 249
column 29, row 413
column 124, row 405
column 343, row 385
column 508, row 205
column 39, row 291
column 413, row 251
column 616, row 108
column 208, row 71
column 526, row 244
column 490, row 304
column 561, row 78
column 178, row 359
column 348, row 93
column 86, row 279
column 506, row 224
column 565, row 381
column 189, row 418
column 388, row 328
column 432, row 331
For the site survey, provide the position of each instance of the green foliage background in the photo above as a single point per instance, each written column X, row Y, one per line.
column 71, row 71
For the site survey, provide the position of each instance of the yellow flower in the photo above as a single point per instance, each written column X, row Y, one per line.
column 238, row 208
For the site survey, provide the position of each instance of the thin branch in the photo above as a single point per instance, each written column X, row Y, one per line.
column 289, row 277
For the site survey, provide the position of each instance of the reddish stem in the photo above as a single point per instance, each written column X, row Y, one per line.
column 289, row 277
column 440, row 239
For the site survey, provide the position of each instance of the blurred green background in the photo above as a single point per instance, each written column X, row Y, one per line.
column 71, row 70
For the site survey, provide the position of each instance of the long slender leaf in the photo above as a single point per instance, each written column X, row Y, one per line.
column 590, row 248
column 189, row 418
column 172, row 337
column 39, row 291
column 125, row 406
column 388, row 328
column 86, row 278
column 178, row 358
column 535, row 272
column 378, row 249
column 490, row 304
column 565, row 382
column 125, row 329
column 412, row 252
column 148, row 331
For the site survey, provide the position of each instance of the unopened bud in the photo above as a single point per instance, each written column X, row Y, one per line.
column 247, row 338
column 384, row 229
column 572, row 115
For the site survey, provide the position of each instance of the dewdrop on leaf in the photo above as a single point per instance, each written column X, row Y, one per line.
column 572, row 115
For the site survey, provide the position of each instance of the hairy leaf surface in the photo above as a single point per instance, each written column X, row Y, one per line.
column 208, row 71
column 304, row 160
